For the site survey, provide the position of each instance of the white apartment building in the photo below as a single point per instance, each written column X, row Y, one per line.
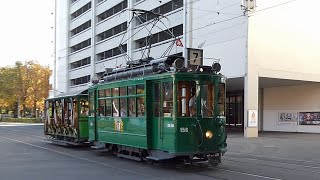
column 268, row 49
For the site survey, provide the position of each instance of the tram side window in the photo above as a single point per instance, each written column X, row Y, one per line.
column 84, row 107
column 123, row 107
column 115, row 92
column 108, row 92
column 167, row 94
column 207, row 99
column 132, row 107
column 102, row 107
column 140, row 89
column 187, row 99
column 141, row 106
column 131, row 90
column 123, row 91
column 115, row 109
column 101, row 93
column 50, row 110
column 221, row 101
column 108, row 107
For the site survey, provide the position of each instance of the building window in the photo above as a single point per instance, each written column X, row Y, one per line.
column 113, row 31
column 115, row 9
column 81, row 28
column 112, row 52
column 81, row 80
column 82, row 10
column 73, row 1
column 80, row 63
column 81, row 45
column 161, row 36
column 163, row 9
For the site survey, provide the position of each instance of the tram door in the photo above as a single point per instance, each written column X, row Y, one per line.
column 157, row 119
column 161, row 111
column 92, row 116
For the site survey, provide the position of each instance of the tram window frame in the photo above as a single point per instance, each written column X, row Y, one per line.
column 132, row 101
column 115, row 91
column 123, row 91
column 222, row 99
column 131, row 90
column 115, row 107
column 167, row 105
column 101, row 93
column 108, row 107
column 141, row 108
column 84, row 104
column 184, row 98
column 205, row 100
column 123, row 107
column 108, row 92
column 140, row 89
column 102, row 110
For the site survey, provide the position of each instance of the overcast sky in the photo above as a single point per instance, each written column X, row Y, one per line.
column 25, row 32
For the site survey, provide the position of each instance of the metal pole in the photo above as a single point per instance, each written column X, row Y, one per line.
column 185, row 31
column 55, row 50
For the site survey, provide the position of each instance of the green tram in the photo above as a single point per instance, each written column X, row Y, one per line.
column 66, row 120
column 156, row 110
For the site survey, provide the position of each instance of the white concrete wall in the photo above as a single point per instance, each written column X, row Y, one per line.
column 224, row 37
column 302, row 98
column 285, row 40
column 62, row 49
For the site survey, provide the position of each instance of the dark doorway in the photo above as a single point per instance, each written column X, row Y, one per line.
column 234, row 110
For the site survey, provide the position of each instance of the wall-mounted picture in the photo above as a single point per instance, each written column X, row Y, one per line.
column 309, row 118
column 288, row 118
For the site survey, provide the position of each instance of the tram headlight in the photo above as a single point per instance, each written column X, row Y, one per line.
column 209, row 134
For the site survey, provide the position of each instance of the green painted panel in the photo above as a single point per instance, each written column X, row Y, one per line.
column 123, row 131
column 92, row 129
column 83, row 127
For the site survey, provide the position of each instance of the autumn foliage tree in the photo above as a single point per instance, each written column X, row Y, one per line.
column 24, row 86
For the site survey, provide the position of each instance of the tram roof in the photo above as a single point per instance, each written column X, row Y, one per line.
column 81, row 91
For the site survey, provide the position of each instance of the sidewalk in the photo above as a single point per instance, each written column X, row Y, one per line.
column 19, row 124
column 276, row 145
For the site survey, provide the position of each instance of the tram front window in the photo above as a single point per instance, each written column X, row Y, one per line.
column 207, row 99
column 221, row 96
column 84, row 109
column 187, row 99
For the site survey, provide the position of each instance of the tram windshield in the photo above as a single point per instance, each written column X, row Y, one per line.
column 222, row 100
column 207, row 99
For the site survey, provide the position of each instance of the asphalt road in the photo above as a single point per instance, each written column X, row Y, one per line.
column 25, row 155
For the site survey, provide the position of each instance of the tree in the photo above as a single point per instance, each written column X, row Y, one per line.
column 26, row 84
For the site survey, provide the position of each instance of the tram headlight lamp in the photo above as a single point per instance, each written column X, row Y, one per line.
column 209, row 134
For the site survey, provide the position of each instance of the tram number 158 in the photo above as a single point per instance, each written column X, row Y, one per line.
column 184, row 130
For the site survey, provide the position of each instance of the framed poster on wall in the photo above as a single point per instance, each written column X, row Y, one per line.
column 252, row 118
column 287, row 118
column 309, row 118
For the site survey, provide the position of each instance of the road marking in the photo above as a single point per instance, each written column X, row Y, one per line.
column 81, row 158
column 248, row 174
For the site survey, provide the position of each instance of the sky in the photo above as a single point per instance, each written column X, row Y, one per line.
column 26, row 32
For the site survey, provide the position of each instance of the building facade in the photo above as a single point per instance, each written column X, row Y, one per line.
column 270, row 60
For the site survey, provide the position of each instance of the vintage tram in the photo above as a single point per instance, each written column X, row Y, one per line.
column 156, row 110
column 66, row 119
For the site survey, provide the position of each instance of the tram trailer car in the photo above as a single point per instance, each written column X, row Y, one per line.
column 66, row 118
column 157, row 111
